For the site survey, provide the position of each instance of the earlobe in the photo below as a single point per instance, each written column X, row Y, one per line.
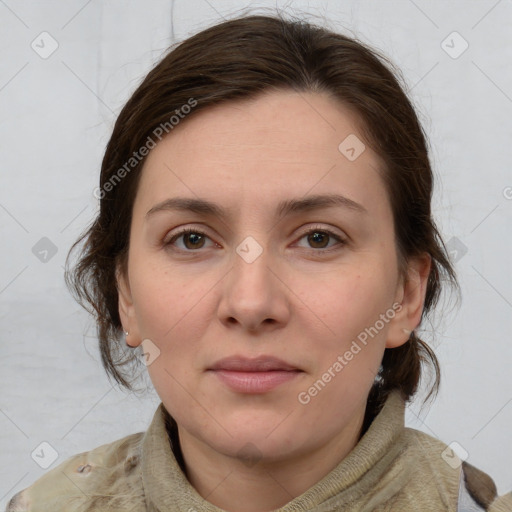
column 126, row 310
column 412, row 291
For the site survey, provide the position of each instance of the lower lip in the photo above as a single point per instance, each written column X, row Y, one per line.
column 255, row 382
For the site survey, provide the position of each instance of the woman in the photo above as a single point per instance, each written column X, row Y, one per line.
column 265, row 236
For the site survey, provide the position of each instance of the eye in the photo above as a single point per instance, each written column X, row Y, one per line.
column 318, row 238
column 193, row 239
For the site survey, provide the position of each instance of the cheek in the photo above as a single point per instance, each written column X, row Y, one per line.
column 347, row 356
column 173, row 311
column 171, row 315
column 357, row 310
column 165, row 299
column 351, row 303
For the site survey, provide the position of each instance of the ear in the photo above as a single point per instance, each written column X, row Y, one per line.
column 126, row 308
column 411, row 295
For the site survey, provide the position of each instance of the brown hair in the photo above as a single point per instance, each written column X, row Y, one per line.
column 238, row 59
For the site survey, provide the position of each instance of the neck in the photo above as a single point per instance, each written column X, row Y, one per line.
column 262, row 484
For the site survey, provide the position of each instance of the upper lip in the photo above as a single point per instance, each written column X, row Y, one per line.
column 257, row 364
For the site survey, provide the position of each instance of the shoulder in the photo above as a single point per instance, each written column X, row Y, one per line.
column 455, row 476
column 106, row 477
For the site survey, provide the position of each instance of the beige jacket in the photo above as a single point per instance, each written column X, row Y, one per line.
column 392, row 468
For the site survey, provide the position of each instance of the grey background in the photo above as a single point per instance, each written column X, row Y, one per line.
column 57, row 115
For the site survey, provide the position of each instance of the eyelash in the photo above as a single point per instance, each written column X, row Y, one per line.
column 185, row 231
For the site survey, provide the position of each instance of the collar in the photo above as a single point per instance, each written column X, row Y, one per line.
column 166, row 487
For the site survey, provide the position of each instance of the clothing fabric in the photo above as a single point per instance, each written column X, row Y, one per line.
column 392, row 468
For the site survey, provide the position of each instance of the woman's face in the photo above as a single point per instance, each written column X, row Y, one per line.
column 266, row 325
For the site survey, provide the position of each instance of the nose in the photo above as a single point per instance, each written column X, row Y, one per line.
column 254, row 297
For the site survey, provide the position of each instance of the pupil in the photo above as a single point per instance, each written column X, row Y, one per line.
column 316, row 237
column 194, row 238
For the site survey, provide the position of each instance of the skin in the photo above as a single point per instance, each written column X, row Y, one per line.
column 303, row 300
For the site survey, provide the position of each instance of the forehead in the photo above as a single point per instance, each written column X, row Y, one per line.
column 285, row 121
column 276, row 145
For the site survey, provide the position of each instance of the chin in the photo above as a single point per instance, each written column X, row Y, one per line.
column 271, row 440
column 251, row 450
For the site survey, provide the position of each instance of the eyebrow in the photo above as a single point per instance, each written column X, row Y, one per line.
column 284, row 208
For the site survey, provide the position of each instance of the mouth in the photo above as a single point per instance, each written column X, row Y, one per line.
column 258, row 375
